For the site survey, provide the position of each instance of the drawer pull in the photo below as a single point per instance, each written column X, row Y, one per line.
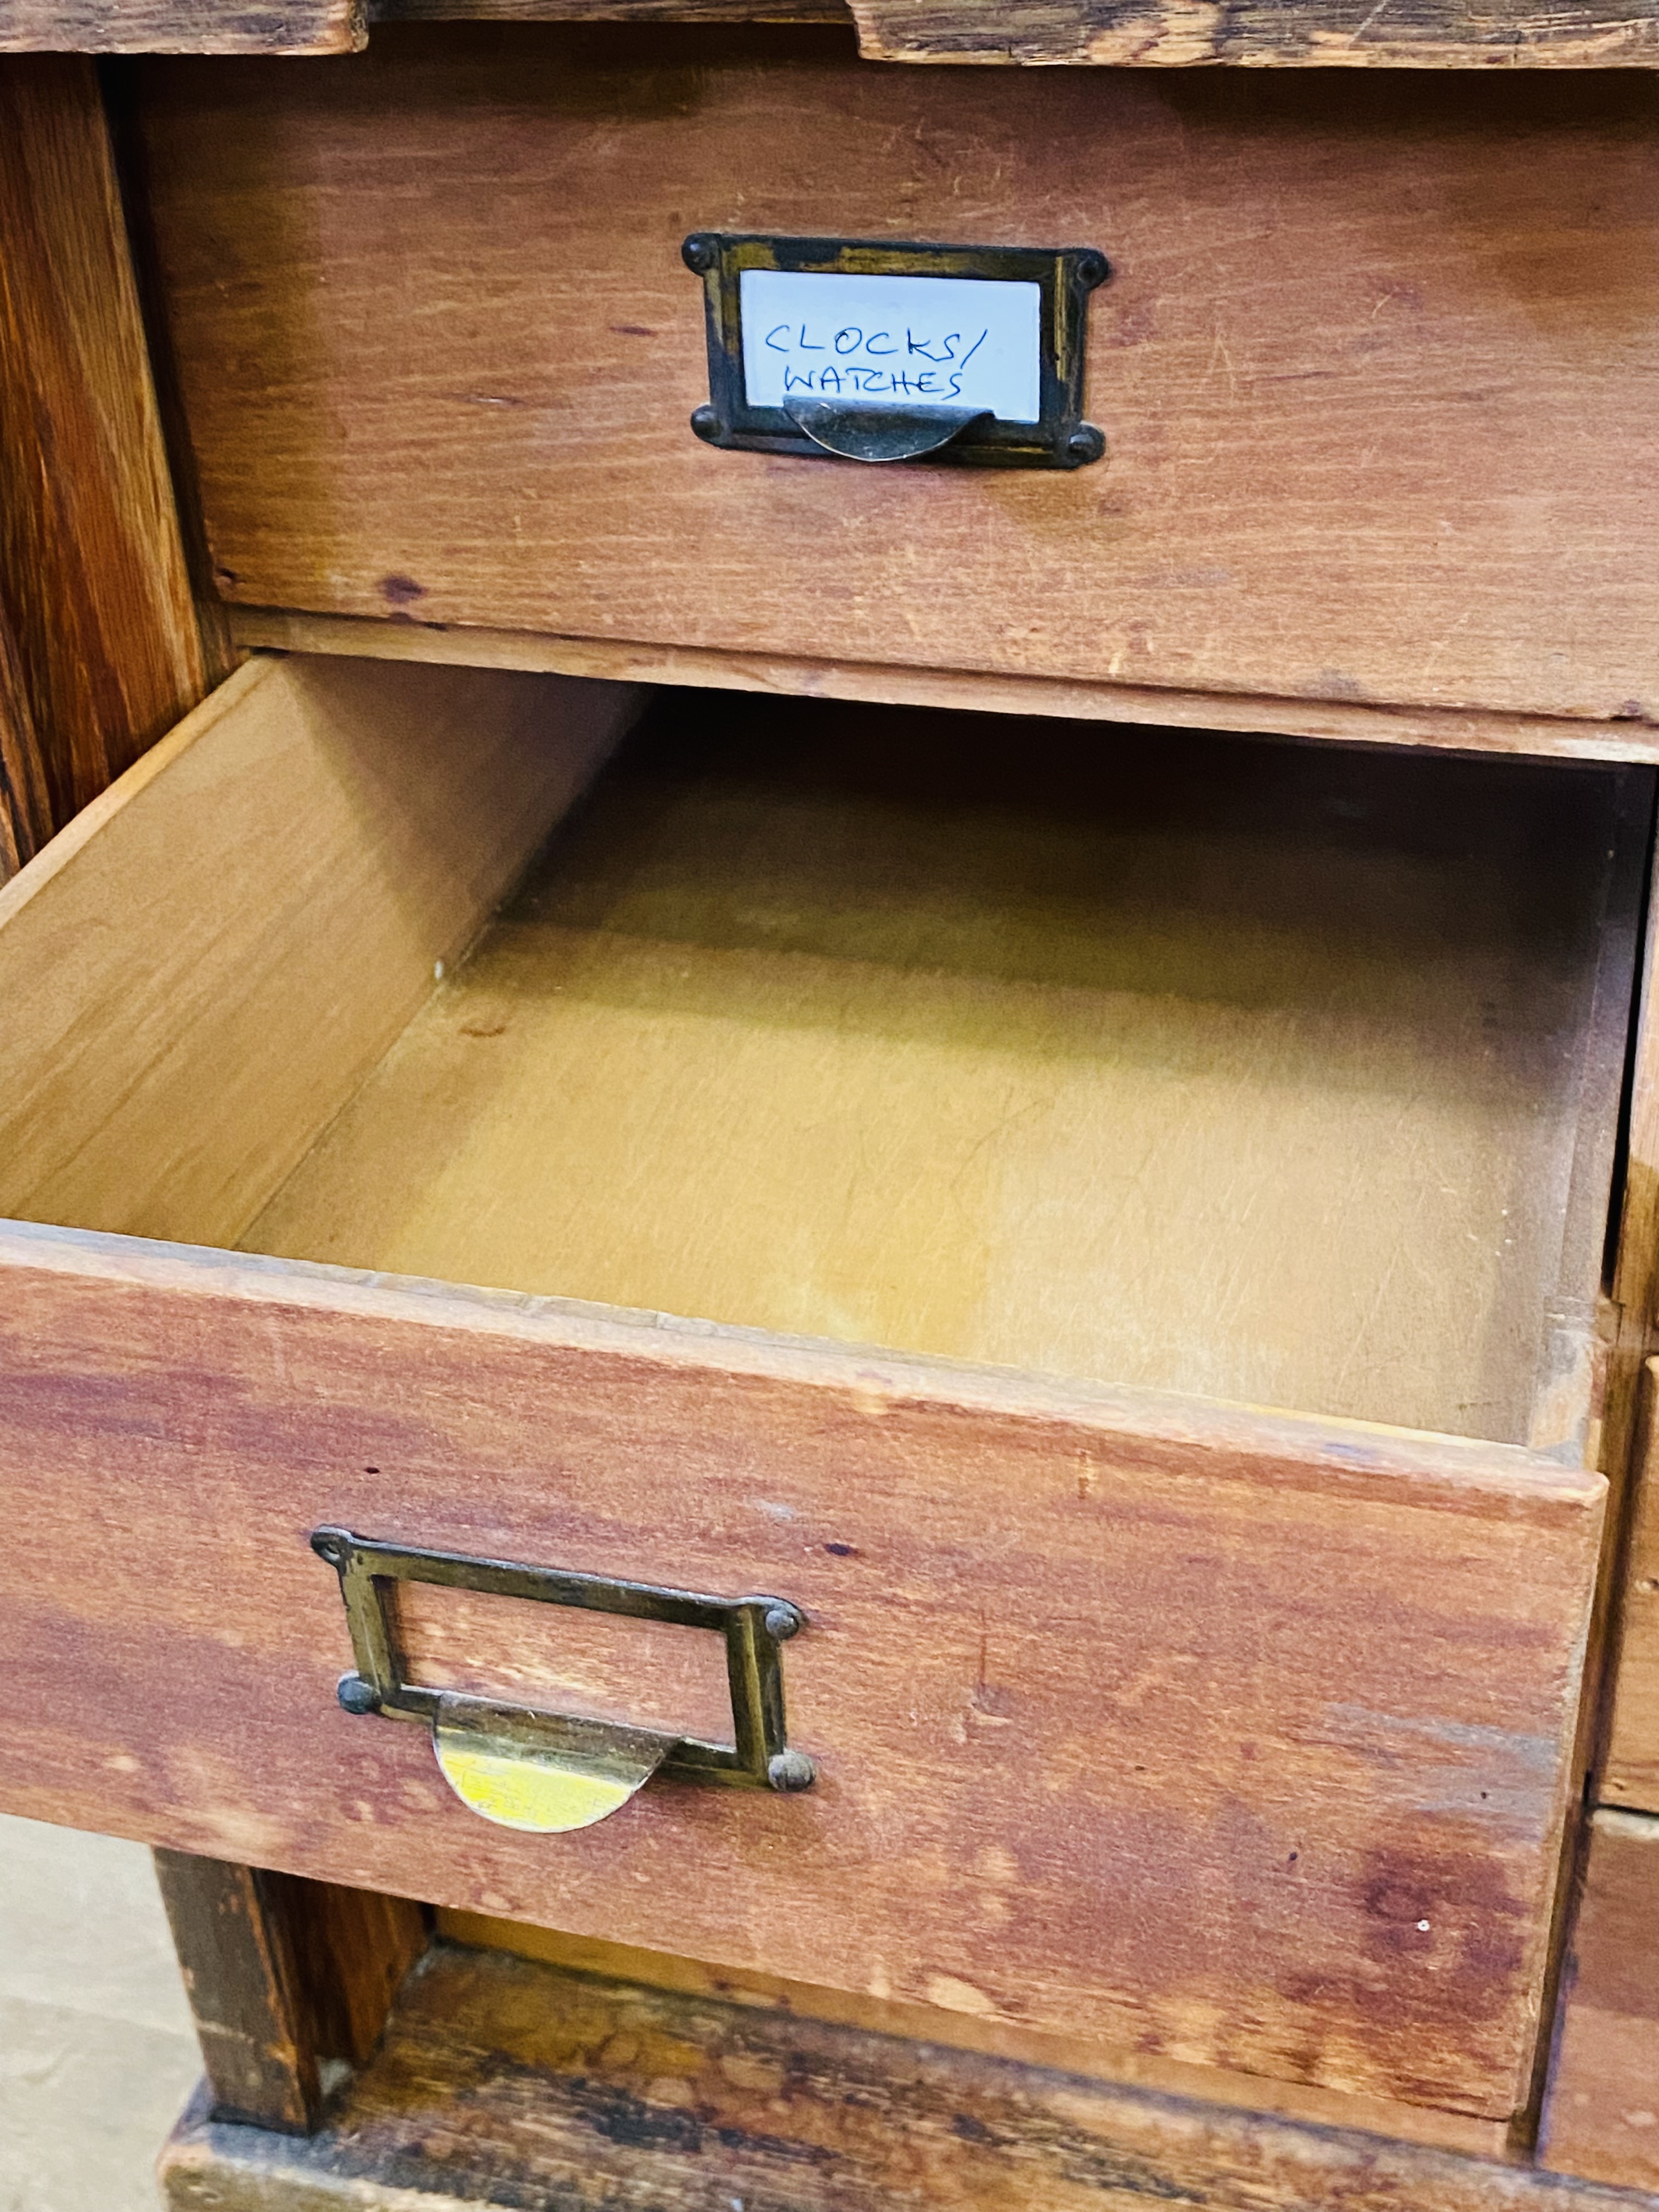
column 874, row 349
column 550, row 1772
column 882, row 433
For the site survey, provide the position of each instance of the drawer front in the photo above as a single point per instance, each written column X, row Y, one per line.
column 1373, row 369
column 1239, row 1740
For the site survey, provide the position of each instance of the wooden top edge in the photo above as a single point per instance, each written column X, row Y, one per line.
column 1454, row 729
column 882, row 1380
column 610, row 11
column 982, row 36
column 60, row 852
column 1633, row 48
column 183, row 26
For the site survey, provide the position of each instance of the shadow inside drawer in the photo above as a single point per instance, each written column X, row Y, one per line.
column 1273, row 1072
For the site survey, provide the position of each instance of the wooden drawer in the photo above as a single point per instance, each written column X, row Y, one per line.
column 1076, row 1079
column 1374, row 368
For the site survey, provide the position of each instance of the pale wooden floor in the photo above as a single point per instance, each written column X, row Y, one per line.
column 96, row 2052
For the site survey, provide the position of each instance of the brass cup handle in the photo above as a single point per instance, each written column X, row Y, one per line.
column 550, row 1772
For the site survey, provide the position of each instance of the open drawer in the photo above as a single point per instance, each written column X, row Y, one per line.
column 1096, row 1084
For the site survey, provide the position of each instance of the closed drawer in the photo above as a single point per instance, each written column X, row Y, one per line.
column 1373, row 368
column 1095, row 1088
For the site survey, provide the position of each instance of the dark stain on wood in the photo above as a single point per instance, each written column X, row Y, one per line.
column 501, row 2082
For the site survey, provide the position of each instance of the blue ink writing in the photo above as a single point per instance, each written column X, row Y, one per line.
column 854, row 372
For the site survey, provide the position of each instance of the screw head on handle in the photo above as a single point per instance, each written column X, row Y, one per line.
column 699, row 254
column 791, row 1771
column 783, row 1621
column 357, row 1695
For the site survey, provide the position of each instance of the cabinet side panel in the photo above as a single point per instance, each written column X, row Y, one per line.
column 103, row 645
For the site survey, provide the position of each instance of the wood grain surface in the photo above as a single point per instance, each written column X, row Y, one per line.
column 93, row 582
column 25, row 802
column 1278, row 33
column 1461, row 34
column 1628, row 1637
column 181, row 27
column 610, row 11
column 283, row 1976
column 1555, row 737
column 1374, row 370
column 505, row 2083
column 196, row 974
column 237, row 1959
column 1602, row 2116
column 353, row 1946
column 995, row 2038
column 1136, row 1716
column 1254, row 1069
column 1283, row 33
column 1630, row 1775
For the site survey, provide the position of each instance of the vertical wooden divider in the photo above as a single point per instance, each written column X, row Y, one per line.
column 93, row 588
column 237, row 1953
column 283, row 1976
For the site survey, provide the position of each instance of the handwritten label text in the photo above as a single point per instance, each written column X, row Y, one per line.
column 879, row 341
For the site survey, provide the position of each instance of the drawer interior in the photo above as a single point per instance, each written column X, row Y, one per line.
column 1282, row 1073
column 1275, row 1072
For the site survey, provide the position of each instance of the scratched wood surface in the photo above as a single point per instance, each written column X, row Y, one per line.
column 1257, row 1070
column 1274, row 33
column 101, row 652
column 610, row 11
column 1601, row 2119
column 181, row 27
column 1241, row 1739
column 1374, row 371
column 1277, row 34
column 505, row 2083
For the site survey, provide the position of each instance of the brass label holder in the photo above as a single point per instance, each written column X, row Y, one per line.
column 549, row 1772
column 899, row 393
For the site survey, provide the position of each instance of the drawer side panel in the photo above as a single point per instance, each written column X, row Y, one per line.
column 197, row 972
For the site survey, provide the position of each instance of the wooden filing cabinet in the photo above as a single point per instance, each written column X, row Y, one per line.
column 902, row 1146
